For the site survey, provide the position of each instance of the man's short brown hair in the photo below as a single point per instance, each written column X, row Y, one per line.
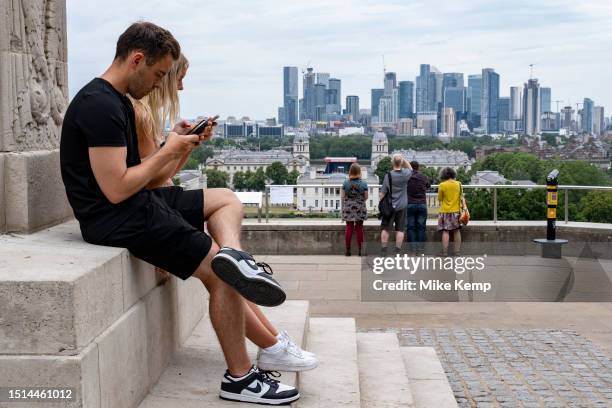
column 152, row 40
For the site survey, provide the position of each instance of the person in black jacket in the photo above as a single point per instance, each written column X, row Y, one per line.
column 416, row 212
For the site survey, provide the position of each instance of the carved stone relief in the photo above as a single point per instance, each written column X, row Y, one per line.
column 33, row 74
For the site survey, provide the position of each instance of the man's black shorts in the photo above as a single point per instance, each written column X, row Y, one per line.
column 167, row 232
column 398, row 218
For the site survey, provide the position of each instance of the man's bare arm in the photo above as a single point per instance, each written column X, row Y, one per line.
column 118, row 182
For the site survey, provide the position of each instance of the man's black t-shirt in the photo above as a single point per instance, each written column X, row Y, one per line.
column 97, row 116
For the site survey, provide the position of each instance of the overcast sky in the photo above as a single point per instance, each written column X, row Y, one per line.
column 237, row 49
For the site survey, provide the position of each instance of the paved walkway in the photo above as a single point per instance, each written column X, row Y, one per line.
column 332, row 284
column 495, row 354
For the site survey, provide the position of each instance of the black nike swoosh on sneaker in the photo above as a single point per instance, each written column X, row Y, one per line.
column 256, row 389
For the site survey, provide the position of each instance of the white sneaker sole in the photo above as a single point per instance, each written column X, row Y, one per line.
column 246, row 398
column 286, row 367
column 252, row 287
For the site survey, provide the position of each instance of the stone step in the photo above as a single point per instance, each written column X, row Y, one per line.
column 428, row 382
column 336, row 381
column 194, row 375
column 383, row 382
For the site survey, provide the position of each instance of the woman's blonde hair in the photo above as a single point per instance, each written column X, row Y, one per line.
column 163, row 102
column 355, row 171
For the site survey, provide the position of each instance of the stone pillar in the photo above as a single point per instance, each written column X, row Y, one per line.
column 34, row 96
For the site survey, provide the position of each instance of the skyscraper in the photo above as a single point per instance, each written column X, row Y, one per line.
column 377, row 93
column 334, row 96
column 454, row 97
column 567, row 117
column 406, row 97
column 490, row 100
column 390, row 83
column 323, row 78
column 319, row 102
column 290, row 97
column 545, row 100
column 449, row 121
column 599, row 122
column 503, row 114
column 516, row 103
column 587, row 115
column 385, row 109
column 426, row 90
column 352, row 106
column 531, row 108
column 474, row 92
column 308, row 83
column 452, row 80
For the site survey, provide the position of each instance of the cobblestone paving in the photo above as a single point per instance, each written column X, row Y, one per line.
column 519, row 368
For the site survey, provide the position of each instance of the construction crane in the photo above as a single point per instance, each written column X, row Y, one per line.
column 306, row 67
column 384, row 65
column 557, row 102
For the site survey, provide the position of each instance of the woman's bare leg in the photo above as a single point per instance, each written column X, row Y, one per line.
column 262, row 318
column 445, row 239
column 457, row 240
column 256, row 330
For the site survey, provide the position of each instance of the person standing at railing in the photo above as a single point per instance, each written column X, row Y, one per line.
column 449, row 196
column 354, row 195
column 416, row 212
column 397, row 186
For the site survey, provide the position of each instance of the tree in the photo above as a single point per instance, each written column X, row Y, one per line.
column 463, row 176
column 240, row 181
column 384, row 166
column 432, row 174
column 277, row 172
column 257, row 180
column 596, row 206
column 201, row 153
column 293, row 176
column 191, row 164
column 216, row 178
column 462, row 144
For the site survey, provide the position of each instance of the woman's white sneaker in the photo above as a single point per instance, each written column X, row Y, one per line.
column 289, row 357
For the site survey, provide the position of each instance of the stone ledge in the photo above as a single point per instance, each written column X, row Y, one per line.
column 57, row 292
column 34, row 195
column 327, row 237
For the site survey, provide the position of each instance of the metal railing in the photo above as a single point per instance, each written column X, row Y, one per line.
column 495, row 187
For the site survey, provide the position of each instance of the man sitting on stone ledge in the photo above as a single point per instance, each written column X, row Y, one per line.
column 106, row 182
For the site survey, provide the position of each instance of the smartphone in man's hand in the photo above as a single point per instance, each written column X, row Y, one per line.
column 200, row 126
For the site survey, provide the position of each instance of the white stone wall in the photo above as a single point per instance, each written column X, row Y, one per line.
column 33, row 99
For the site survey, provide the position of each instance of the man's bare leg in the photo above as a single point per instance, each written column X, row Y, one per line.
column 221, row 208
column 223, row 211
column 399, row 239
column 227, row 311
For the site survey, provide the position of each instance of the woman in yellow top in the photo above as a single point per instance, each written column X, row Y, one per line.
column 449, row 196
column 276, row 349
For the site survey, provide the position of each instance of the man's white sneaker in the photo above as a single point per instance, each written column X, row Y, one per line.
column 257, row 387
column 251, row 279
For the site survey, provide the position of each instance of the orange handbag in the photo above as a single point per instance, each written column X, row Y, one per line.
column 464, row 215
